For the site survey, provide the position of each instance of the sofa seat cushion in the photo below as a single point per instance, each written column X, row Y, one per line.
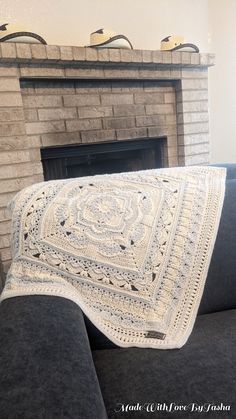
column 202, row 371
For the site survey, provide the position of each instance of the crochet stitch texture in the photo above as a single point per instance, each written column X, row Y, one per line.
column 131, row 249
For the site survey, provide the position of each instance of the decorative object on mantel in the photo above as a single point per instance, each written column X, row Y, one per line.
column 104, row 38
column 175, row 43
column 131, row 249
column 9, row 32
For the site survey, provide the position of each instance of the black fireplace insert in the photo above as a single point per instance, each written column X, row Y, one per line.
column 62, row 162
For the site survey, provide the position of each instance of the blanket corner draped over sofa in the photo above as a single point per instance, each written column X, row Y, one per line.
column 131, row 249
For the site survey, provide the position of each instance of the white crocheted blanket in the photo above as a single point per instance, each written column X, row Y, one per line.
column 131, row 249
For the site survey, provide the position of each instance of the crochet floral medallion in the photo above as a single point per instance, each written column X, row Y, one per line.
column 131, row 249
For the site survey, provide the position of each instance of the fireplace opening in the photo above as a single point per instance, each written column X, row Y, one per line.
column 62, row 162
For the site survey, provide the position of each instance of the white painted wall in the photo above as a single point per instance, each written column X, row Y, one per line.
column 208, row 23
column 70, row 22
column 222, row 37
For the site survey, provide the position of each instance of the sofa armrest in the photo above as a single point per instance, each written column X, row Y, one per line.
column 46, row 365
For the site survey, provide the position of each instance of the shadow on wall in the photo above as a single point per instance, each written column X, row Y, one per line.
column 2, row 275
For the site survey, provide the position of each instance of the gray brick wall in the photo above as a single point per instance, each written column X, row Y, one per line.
column 74, row 111
column 192, row 117
column 71, row 95
column 19, row 158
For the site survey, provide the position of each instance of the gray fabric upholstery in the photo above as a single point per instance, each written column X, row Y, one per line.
column 96, row 338
column 46, row 367
column 231, row 169
column 202, row 371
column 220, row 287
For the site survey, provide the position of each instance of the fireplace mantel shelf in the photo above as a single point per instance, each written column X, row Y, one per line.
column 34, row 54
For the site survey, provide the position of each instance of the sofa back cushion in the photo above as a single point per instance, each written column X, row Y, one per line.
column 220, row 288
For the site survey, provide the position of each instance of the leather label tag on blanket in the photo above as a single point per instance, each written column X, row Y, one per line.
column 152, row 334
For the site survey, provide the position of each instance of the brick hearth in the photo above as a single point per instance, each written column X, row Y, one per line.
column 51, row 95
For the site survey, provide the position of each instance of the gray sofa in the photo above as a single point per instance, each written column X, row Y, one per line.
column 54, row 364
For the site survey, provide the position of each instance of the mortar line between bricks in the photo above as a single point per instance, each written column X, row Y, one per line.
column 194, row 155
column 205, row 121
column 198, row 101
column 46, row 108
column 103, row 125
column 10, row 91
column 193, row 144
column 194, row 133
column 80, row 138
column 193, row 89
column 48, row 121
column 17, row 122
column 190, row 112
column 12, row 121
column 2, row 220
column 63, row 102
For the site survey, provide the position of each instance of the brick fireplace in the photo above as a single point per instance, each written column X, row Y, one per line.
column 56, row 96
